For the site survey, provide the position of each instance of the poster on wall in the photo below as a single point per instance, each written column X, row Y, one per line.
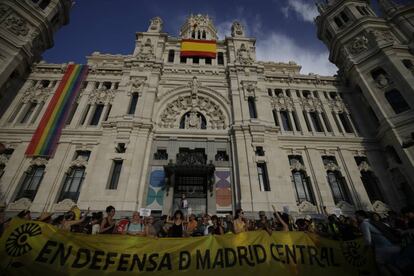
column 223, row 189
column 155, row 195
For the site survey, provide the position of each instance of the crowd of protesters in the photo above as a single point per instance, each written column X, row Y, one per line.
column 389, row 235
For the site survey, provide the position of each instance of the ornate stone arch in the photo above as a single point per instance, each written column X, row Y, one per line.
column 193, row 98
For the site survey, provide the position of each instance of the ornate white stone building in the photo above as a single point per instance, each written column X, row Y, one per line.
column 229, row 132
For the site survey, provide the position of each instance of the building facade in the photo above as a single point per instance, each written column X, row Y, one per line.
column 228, row 132
column 26, row 31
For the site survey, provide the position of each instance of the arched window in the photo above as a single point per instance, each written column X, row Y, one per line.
column 72, row 184
column 397, row 101
column 193, row 34
column 193, row 120
column 31, row 182
column 199, row 35
column 171, row 54
column 338, row 187
column 204, row 35
column 300, row 181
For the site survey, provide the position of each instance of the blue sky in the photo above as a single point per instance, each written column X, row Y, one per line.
column 284, row 28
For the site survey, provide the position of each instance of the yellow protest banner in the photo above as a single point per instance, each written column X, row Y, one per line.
column 36, row 248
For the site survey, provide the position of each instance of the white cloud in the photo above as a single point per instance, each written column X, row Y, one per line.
column 280, row 48
column 304, row 9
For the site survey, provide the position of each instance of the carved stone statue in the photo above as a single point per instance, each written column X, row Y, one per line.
column 243, row 55
column 237, row 29
column 193, row 121
column 155, row 25
column 146, row 52
column 194, row 85
column 382, row 81
column 359, row 44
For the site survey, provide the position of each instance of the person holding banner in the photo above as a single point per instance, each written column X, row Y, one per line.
column 135, row 226
column 69, row 220
column 177, row 222
column 108, row 223
column 239, row 222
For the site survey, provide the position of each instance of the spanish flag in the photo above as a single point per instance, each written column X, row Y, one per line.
column 198, row 48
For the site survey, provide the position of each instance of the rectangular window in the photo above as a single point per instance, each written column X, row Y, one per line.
column 85, row 114
column 305, row 115
column 263, row 177
column 72, row 184
column 326, row 121
column 269, row 92
column 116, row 172
column 31, row 182
column 171, row 54
column 97, row 115
column 345, row 122
column 296, row 120
column 28, row 113
column 338, row 22
column 133, row 104
column 220, row 58
column 252, row 107
column 275, row 117
column 208, row 60
column 196, row 60
column 15, row 112
column 72, row 113
column 84, row 154
column 344, row 17
column 183, row 60
column 108, row 111
column 37, row 112
column 287, row 126
column 315, row 121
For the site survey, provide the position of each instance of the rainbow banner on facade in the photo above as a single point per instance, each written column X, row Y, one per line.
column 46, row 137
column 198, row 48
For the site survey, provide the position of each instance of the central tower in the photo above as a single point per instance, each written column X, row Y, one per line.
column 198, row 27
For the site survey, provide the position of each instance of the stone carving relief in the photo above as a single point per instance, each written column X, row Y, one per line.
column 337, row 105
column 382, row 81
column 364, row 166
column 156, row 24
column 194, row 85
column 3, row 10
column 16, row 25
column 36, row 93
column 310, row 103
column 345, row 207
column 243, row 55
column 382, row 35
column 146, row 51
column 170, row 117
column 380, row 207
column 3, row 159
column 281, row 102
column 21, row 204
column 358, row 45
column 296, row 165
column 307, row 207
column 331, row 166
column 137, row 85
column 193, row 120
column 249, row 88
column 64, row 206
column 101, row 96
column 237, row 29
column 81, row 161
column 39, row 161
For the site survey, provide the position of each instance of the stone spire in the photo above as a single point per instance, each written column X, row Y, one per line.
column 387, row 6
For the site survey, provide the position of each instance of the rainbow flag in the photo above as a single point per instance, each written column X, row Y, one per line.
column 198, row 48
column 47, row 134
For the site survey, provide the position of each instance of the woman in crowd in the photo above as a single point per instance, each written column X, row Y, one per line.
column 149, row 229
column 108, row 223
column 216, row 228
column 177, row 222
column 239, row 222
column 69, row 220
column 136, row 225
column 191, row 225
